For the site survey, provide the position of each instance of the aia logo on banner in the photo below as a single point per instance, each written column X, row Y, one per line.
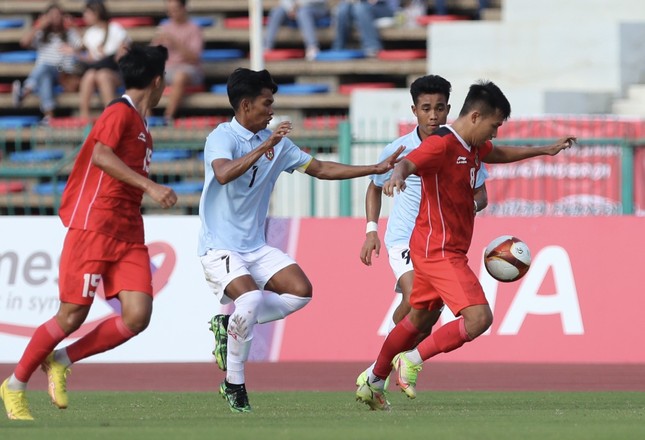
column 28, row 306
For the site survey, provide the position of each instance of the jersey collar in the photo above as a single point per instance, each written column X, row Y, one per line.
column 459, row 138
column 241, row 131
column 127, row 98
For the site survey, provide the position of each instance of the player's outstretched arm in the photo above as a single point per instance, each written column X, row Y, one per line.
column 104, row 158
column 513, row 154
column 328, row 170
column 397, row 181
column 372, row 242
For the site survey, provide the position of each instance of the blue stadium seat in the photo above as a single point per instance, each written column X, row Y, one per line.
column 11, row 23
column 48, row 188
column 219, row 89
column 169, row 155
column 302, row 89
column 186, row 187
column 199, row 21
column 18, row 56
column 221, row 54
column 33, row 156
column 340, row 55
column 18, row 121
column 156, row 121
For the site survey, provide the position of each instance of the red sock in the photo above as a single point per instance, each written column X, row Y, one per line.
column 447, row 338
column 108, row 334
column 401, row 338
column 42, row 342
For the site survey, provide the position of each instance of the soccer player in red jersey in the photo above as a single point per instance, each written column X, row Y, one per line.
column 101, row 206
column 447, row 163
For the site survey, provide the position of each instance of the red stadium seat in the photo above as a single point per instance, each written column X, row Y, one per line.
column 346, row 89
column 426, row 20
column 402, row 54
column 130, row 22
column 200, row 122
column 283, row 54
column 11, row 186
column 188, row 90
column 240, row 22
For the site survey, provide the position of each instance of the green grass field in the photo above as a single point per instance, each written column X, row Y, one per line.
column 335, row 415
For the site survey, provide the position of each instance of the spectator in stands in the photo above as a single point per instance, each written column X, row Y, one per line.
column 55, row 40
column 442, row 9
column 365, row 13
column 105, row 42
column 305, row 13
column 185, row 44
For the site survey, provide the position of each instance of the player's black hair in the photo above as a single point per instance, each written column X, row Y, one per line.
column 247, row 83
column 141, row 64
column 430, row 84
column 486, row 97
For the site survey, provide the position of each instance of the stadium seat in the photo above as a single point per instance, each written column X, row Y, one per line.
column 221, row 54
column 156, row 121
column 187, row 187
column 302, row 89
column 18, row 56
column 241, row 22
column 283, row 54
column 18, row 121
column 34, row 156
column 199, row 21
column 401, row 54
column 187, row 90
column 425, row 20
column 5, row 87
column 68, row 122
column 346, row 89
column 11, row 186
column 339, row 55
column 44, row 189
column 11, row 23
column 219, row 89
column 131, row 22
column 326, row 122
column 169, row 155
column 200, row 122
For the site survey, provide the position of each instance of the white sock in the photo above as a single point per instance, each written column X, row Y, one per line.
column 15, row 385
column 240, row 335
column 375, row 382
column 413, row 356
column 276, row 306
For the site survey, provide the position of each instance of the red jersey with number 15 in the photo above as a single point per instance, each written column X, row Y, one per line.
column 95, row 201
column 448, row 169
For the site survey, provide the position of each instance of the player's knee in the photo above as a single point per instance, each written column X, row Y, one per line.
column 479, row 322
column 302, row 288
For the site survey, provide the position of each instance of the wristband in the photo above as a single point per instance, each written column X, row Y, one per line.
column 371, row 227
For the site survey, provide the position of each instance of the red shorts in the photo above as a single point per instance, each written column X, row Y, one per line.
column 447, row 281
column 90, row 257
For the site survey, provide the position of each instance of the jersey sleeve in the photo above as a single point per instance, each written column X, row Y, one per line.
column 294, row 157
column 219, row 145
column 111, row 125
column 429, row 156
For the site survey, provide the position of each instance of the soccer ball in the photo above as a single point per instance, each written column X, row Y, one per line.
column 507, row 258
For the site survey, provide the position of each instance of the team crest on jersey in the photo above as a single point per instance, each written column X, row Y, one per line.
column 269, row 154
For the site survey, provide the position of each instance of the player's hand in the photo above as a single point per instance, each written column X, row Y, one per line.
column 561, row 144
column 388, row 163
column 280, row 132
column 163, row 195
column 371, row 244
column 394, row 184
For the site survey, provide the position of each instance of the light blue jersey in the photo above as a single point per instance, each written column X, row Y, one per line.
column 405, row 207
column 233, row 215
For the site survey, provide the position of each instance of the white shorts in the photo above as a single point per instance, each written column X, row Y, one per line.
column 400, row 262
column 223, row 266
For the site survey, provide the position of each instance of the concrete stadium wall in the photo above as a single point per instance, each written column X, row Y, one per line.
column 549, row 56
